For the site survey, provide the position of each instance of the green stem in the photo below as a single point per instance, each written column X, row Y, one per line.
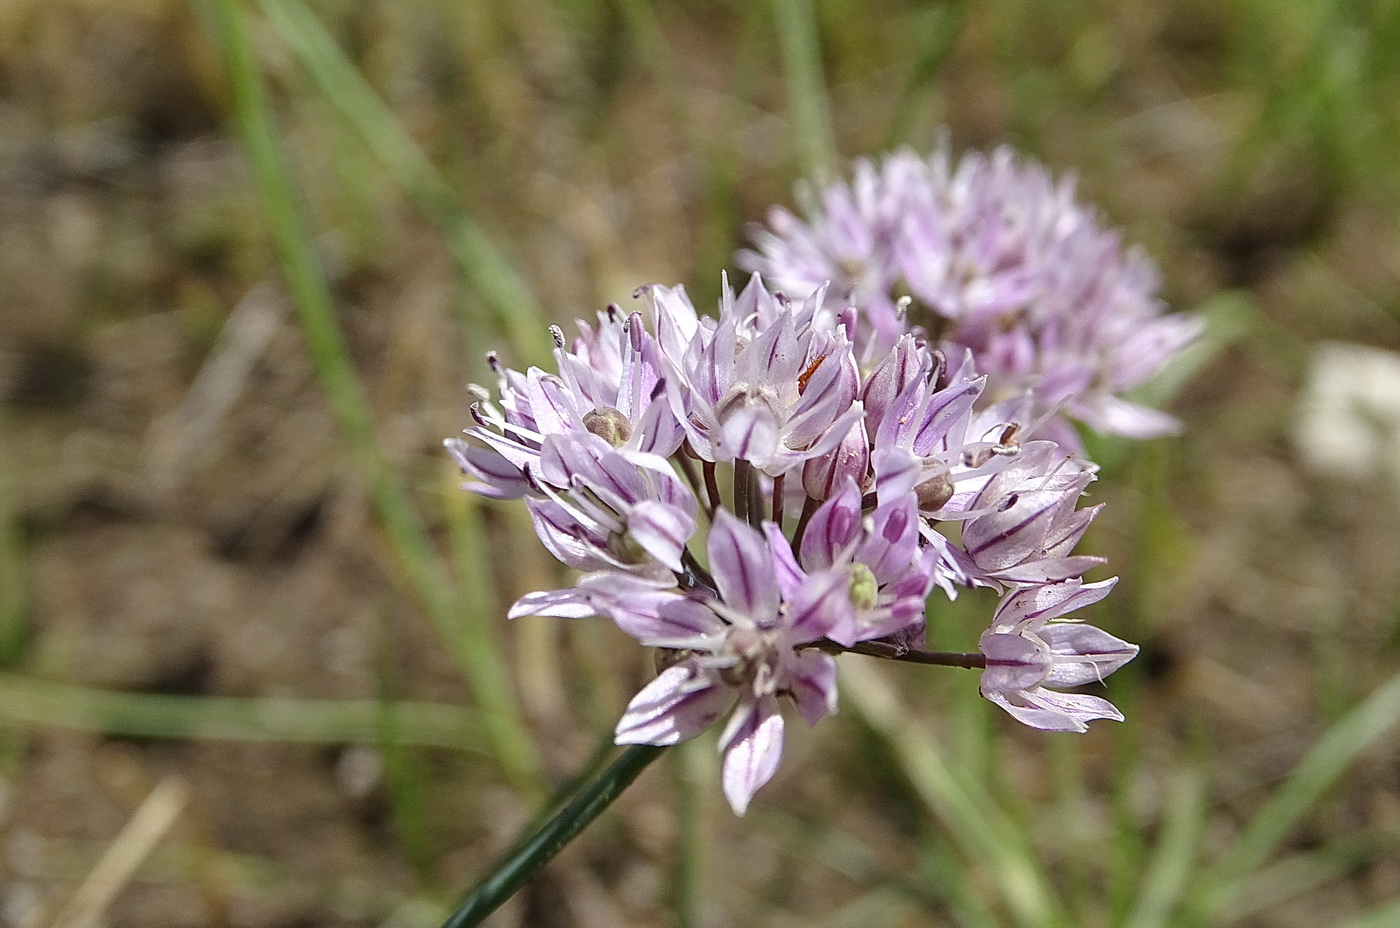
column 518, row 866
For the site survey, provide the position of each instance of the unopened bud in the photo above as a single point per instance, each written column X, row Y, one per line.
column 849, row 461
column 608, row 424
column 934, row 493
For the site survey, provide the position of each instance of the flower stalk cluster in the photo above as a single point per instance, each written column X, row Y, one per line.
column 753, row 493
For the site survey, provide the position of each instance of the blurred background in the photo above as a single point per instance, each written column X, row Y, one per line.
column 256, row 670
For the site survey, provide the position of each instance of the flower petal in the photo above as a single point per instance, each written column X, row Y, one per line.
column 1014, row 662
column 813, row 685
column 742, row 565
column 1084, row 654
column 678, row 704
column 661, row 530
column 834, row 527
column 752, row 752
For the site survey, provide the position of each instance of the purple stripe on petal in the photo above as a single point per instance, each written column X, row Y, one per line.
column 572, row 603
column 813, row 685
column 833, row 528
column 790, row 576
column 1034, row 715
column 822, row 608
column 677, row 705
column 1013, row 663
column 661, row 530
column 742, row 565
column 752, row 753
column 1084, row 654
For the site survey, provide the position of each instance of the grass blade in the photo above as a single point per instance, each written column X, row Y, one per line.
column 1385, row 915
column 1170, row 866
column 802, row 69
column 1319, row 769
column 987, row 837
column 1293, row 877
column 514, row 312
column 940, row 27
column 312, row 299
column 42, row 704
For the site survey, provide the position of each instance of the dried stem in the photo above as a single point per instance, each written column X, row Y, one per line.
column 712, row 486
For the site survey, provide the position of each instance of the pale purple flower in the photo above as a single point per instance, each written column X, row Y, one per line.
column 768, row 383
column 999, row 257
column 888, row 572
column 920, row 418
column 932, row 439
column 609, row 385
column 1029, row 656
column 850, row 460
column 602, row 507
column 1025, row 524
column 737, row 652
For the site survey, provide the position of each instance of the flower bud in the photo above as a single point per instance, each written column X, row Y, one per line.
column 934, row 493
column 851, row 459
column 608, row 424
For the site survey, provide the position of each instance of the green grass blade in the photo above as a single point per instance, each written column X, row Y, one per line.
column 802, row 70
column 1319, row 769
column 1170, row 865
column 690, row 762
column 1296, row 876
column 33, row 703
column 14, row 579
column 514, row 312
column 987, row 837
column 405, row 774
column 947, row 876
column 484, row 654
column 330, row 356
column 1230, row 316
column 1385, row 915
column 717, row 158
column 939, row 27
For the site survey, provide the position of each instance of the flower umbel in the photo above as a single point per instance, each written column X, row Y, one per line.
column 754, row 493
column 999, row 258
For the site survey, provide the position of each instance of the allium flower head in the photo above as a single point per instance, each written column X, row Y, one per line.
column 608, row 386
column 754, row 492
column 999, row 258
